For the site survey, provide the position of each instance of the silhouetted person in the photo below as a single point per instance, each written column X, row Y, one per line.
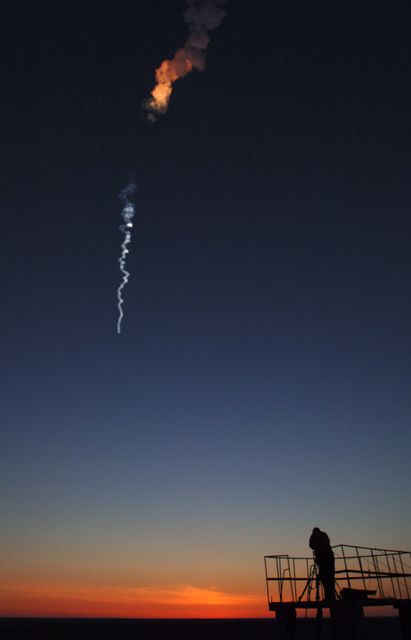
column 324, row 557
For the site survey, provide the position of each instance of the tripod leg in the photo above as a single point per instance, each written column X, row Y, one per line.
column 311, row 577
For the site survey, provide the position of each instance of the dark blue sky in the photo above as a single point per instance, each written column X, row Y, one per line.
column 262, row 376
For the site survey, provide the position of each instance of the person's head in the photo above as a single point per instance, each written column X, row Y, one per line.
column 316, row 530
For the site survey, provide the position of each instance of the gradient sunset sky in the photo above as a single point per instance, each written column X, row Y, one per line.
column 261, row 382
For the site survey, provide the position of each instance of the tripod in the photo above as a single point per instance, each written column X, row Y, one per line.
column 313, row 583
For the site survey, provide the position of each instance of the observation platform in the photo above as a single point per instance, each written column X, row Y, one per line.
column 364, row 577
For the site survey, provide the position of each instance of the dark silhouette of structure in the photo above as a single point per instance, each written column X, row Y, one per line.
column 324, row 557
column 362, row 578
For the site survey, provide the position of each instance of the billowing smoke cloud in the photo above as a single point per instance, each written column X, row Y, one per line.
column 201, row 16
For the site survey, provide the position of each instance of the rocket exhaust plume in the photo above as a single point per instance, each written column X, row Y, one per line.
column 201, row 17
column 127, row 215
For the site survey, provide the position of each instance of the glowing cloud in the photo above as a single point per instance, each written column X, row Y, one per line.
column 105, row 600
column 201, row 16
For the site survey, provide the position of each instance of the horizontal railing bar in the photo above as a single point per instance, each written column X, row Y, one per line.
column 289, row 558
column 323, row 604
column 381, row 555
column 371, row 554
column 359, row 547
column 373, row 574
column 359, row 576
column 287, row 579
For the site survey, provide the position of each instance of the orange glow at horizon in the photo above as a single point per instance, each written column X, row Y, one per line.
column 179, row 601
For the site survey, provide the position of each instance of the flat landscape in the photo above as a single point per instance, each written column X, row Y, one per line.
column 117, row 629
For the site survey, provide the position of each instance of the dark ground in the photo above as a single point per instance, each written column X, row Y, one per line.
column 114, row 629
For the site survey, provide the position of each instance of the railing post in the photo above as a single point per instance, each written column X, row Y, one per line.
column 377, row 574
column 266, row 581
column 361, row 568
column 403, row 571
column 347, row 575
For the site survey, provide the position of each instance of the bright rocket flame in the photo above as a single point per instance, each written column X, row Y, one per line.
column 168, row 72
column 127, row 214
column 201, row 16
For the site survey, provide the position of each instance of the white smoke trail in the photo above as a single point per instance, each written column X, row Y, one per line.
column 127, row 214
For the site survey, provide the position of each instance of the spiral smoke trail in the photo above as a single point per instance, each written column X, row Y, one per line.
column 127, row 214
column 201, row 17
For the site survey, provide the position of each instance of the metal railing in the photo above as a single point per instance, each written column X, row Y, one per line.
column 377, row 575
